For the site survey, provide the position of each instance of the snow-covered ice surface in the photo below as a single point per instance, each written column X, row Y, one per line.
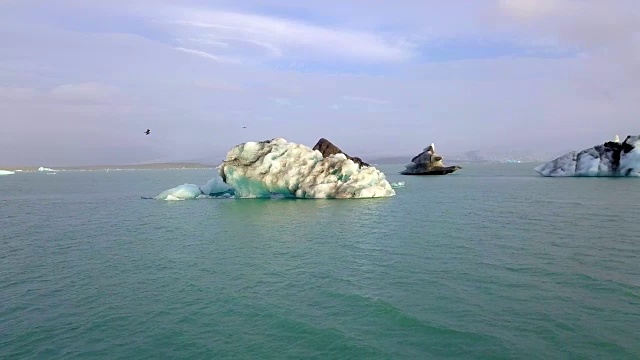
column 613, row 158
column 266, row 168
column 6, row 172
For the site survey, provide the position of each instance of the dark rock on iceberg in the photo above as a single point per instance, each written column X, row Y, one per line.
column 327, row 149
column 428, row 163
column 613, row 158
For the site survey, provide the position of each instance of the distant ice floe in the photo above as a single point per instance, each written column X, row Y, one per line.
column 399, row 184
column 278, row 168
column 7, row 172
column 613, row 158
column 43, row 169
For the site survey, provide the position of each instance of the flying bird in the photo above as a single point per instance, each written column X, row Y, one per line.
column 147, row 132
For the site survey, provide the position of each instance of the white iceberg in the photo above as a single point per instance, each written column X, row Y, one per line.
column 42, row 168
column 278, row 167
column 613, row 158
column 399, row 184
column 6, row 172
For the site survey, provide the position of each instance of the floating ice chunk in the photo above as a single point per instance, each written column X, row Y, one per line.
column 261, row 169
column 213, row 188
column 6, row 172
column 609, row 159
column 41, row 168
column 181, row 192
column 399, row 184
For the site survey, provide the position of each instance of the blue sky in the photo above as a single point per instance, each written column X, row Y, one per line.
column 81, row 80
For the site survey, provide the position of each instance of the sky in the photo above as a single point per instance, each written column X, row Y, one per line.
column 80, row 81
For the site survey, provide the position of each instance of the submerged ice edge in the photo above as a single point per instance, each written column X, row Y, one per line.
column 214, row 188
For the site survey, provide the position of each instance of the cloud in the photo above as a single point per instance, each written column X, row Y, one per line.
column 206, row 55
column 120, row 72
column 269, row 37
column 80, row 94
column 362, row 104
column 365, row 99
column 283, row 101
column 17, row 94
column 529, row 8
column 588, row 24
column 84, row 93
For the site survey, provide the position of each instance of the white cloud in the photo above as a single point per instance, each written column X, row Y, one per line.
column 17, row 94
column 529, row 8
column 283, row 101
column 81, row 93
column 590, row 24
column 84, row 92
column 365, row 99
column 206, row 55
column 272, row 37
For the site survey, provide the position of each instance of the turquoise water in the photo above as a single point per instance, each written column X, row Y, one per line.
column 489, row 262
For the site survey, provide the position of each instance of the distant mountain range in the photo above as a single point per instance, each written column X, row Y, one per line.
column 151, row 166
column 477, row 156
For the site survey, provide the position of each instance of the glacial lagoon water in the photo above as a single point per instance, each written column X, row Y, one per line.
column 492, row 261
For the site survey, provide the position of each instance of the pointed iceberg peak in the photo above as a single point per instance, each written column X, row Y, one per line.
column 431, row 148
column 327, row 148
column 428, row 163
column 616, row 139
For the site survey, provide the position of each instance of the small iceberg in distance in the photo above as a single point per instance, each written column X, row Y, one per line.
column 399, row 184
column 43, row 169
column 613, row 158
column 7, row 172
column 428, row 163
